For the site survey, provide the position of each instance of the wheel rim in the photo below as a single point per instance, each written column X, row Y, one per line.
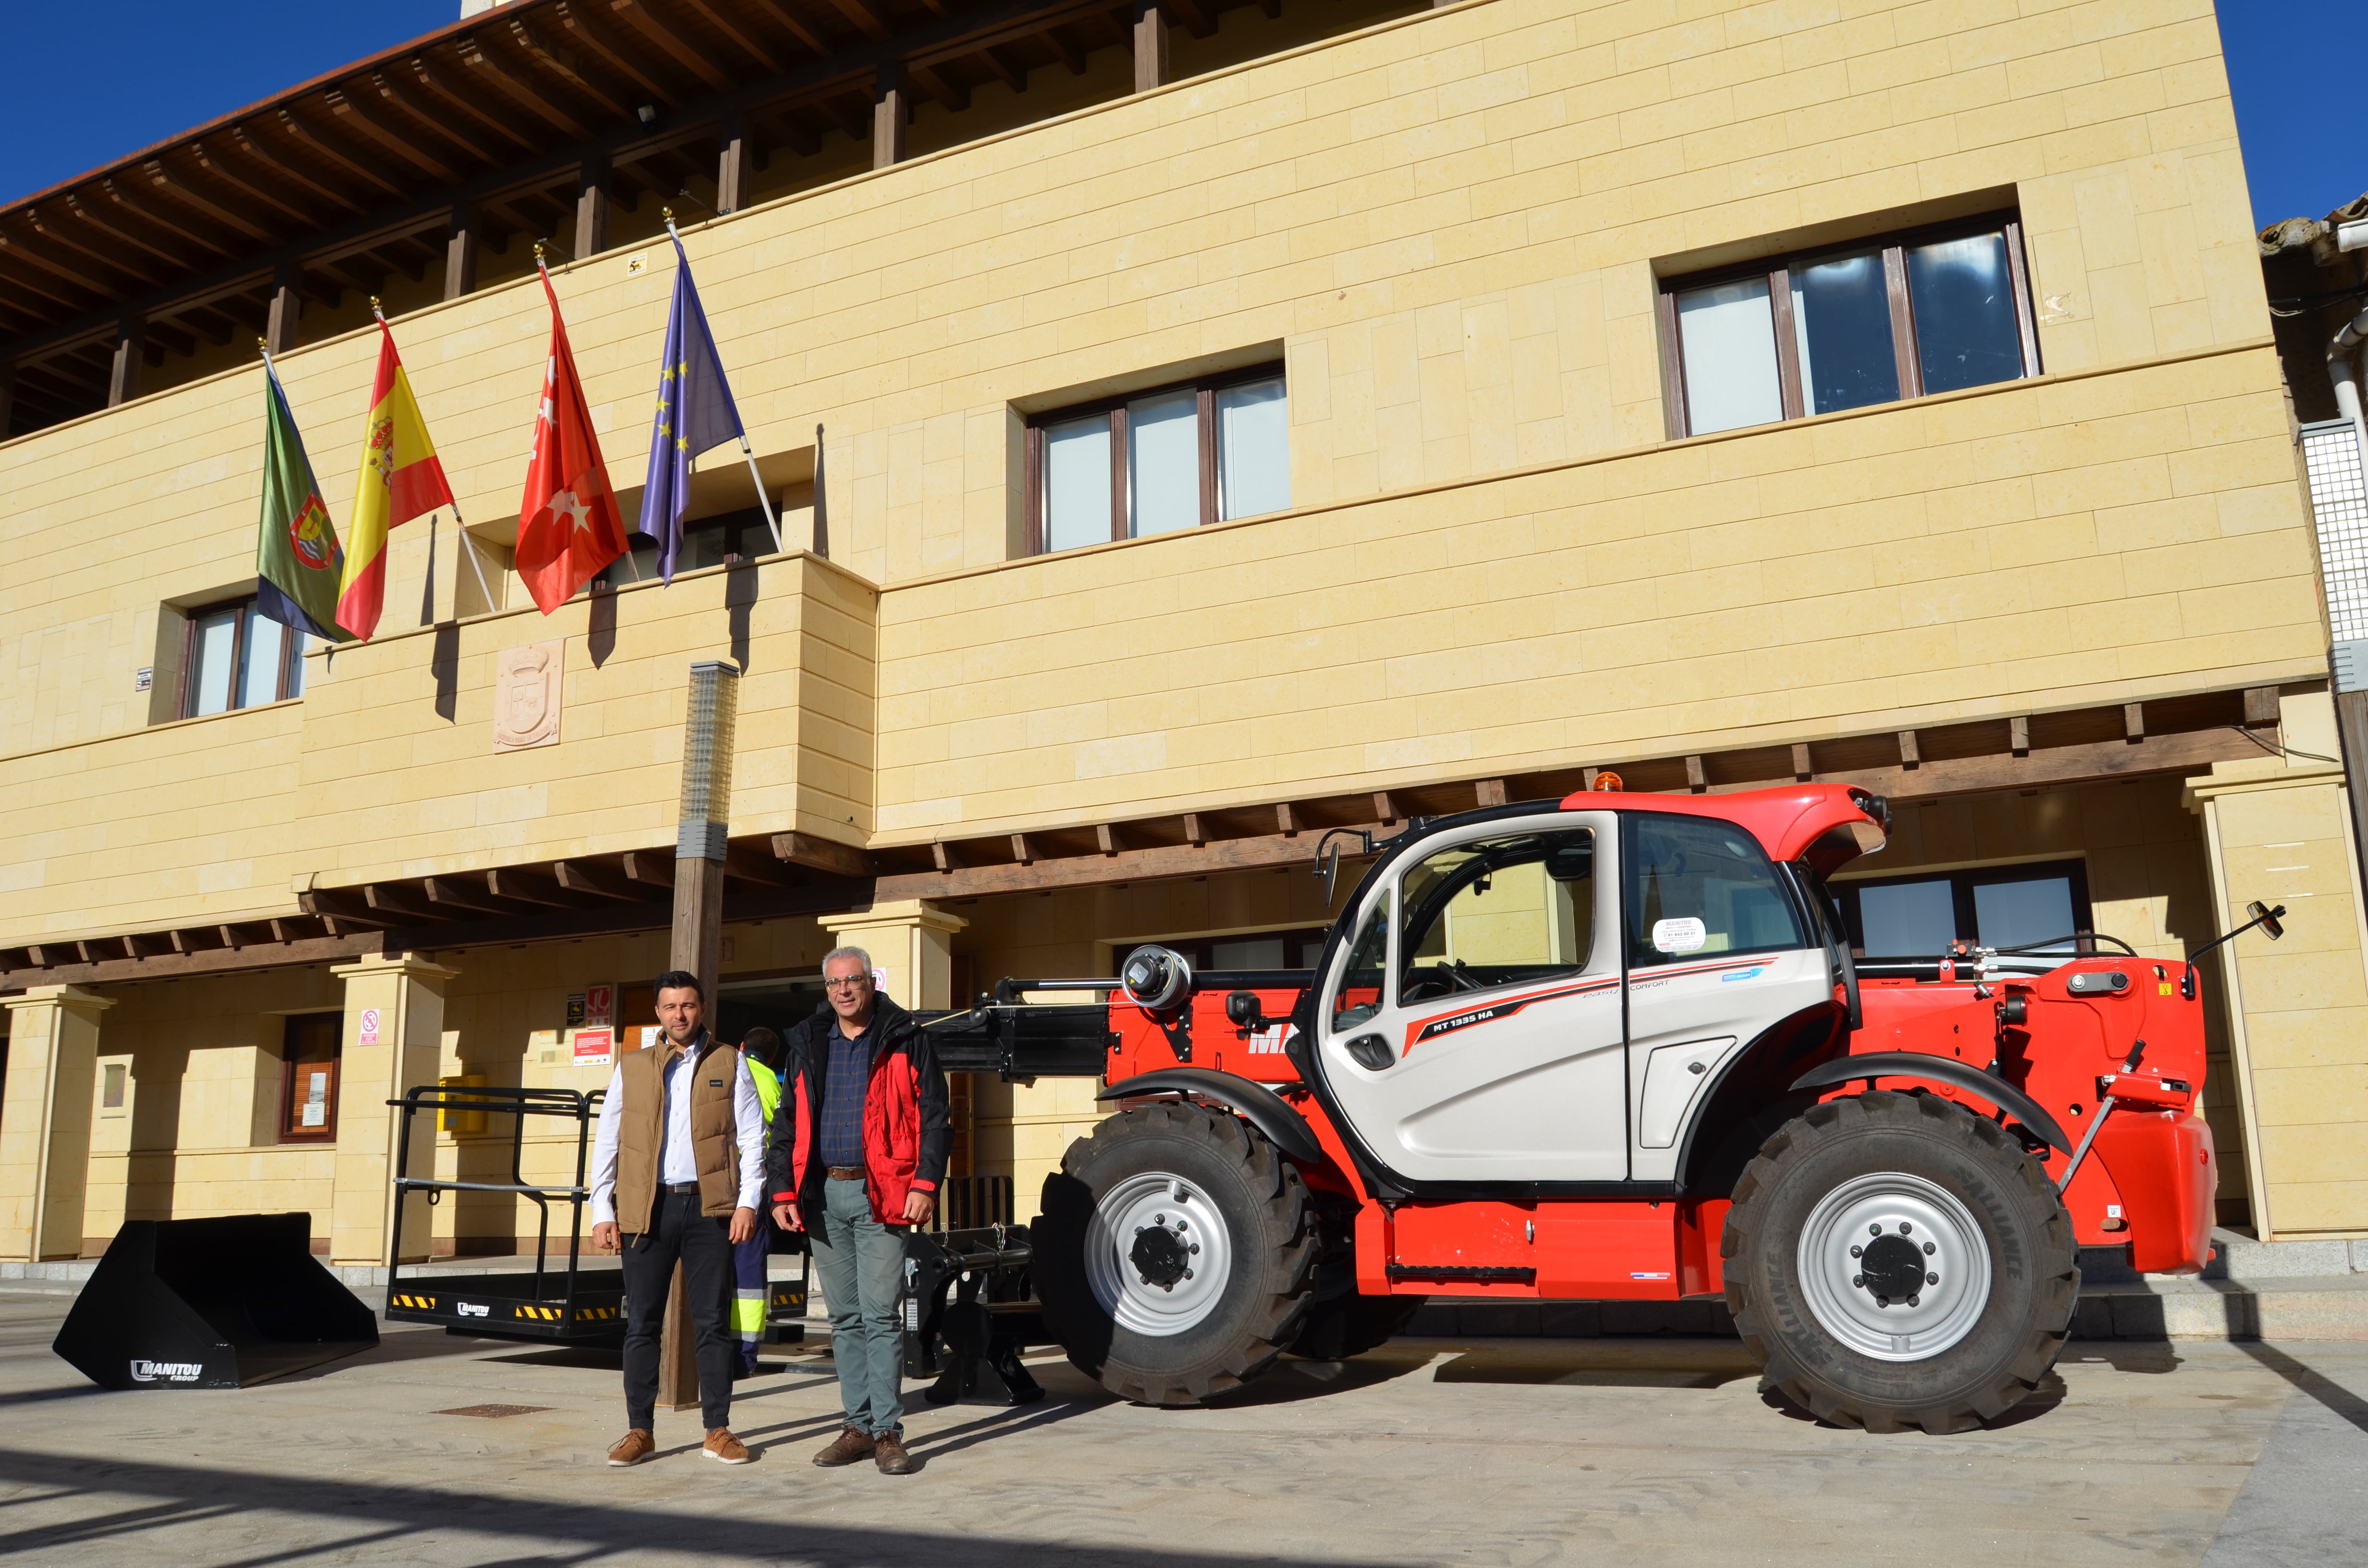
column 1157, row 1255
column 1891, row 1217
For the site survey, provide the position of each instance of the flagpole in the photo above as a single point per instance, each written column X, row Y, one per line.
column 764, row 502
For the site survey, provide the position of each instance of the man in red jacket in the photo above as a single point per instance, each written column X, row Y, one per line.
column 858, row 1148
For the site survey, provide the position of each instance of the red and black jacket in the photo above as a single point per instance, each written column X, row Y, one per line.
column 907, row 1126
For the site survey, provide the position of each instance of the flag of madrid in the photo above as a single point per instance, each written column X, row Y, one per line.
column 568, row 526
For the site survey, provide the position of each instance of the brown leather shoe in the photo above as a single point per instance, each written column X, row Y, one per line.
column 889, row 1448
column 722, row 1446
column 632, row 1447
column 850, row 1445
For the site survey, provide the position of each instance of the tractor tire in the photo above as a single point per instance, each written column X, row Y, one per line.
column 1339, row 1322
column 1894, row 1260
column 1174, row 1257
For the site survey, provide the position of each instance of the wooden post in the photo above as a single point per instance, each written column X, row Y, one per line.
column 1150, row 45
column 700, row 844
column 732, row 168
column 130, row 349
column 592, row 207
column 287, row 308
column 461, row 253
column 891, row 106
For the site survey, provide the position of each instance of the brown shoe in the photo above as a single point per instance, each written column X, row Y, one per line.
column 889, row 1448
column 851, row 1445
column 632, row 1447
column 723, row 1447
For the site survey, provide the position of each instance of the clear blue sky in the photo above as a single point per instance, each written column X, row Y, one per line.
column 87, row 85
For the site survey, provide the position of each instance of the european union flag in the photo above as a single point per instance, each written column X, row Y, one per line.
column 695, row 414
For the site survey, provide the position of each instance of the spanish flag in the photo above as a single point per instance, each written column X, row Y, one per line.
column 401, row 478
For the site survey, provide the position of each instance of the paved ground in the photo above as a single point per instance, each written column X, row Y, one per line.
column 1602, row 1451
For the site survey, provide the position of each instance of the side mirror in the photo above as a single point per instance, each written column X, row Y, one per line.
column 2267, row 918
column 1328, row 865
column 1243, row 1010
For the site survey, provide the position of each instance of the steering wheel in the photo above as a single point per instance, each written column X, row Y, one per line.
column 1437, row 979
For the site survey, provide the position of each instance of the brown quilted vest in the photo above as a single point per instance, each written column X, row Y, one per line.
column 714, row 1139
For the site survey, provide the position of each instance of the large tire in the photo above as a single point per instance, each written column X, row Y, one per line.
column 1894, row 1260
column 1174, row 1257
column 1340, row 1322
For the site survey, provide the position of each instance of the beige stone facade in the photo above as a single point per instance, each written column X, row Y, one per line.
column 1449, row 227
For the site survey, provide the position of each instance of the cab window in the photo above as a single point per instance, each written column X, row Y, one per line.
column 1497, row 912
column 1698, row 889
column 1360, row 995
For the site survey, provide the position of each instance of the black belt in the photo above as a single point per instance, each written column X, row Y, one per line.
column 689, row 1187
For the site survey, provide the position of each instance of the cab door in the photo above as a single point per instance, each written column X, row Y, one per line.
column 1472, row 1032
column 1717, row 954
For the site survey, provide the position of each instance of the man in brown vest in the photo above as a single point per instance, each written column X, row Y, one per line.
column 677, row 1168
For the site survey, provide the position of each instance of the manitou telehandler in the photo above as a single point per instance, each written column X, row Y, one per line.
column 1616, row 1047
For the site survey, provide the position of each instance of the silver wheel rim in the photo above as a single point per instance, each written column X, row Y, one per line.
column 1167, row 1202
column 1940, row 1313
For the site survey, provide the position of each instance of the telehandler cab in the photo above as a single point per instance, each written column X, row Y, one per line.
column 1616, row 1047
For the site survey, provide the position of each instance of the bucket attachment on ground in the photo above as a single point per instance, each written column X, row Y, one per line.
column 211, row 1303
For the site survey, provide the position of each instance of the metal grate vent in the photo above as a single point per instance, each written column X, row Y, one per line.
column 2339, row 499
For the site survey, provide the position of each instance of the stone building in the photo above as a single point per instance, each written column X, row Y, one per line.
column 1193, row 426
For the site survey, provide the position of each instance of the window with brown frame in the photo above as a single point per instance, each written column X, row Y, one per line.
column 308, row 1077
column 231, row 657
column 1930, row 310
column 1153, row 462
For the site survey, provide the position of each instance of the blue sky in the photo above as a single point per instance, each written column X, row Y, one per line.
column 88, row 86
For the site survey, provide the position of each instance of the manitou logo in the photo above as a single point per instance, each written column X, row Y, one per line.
column 470, row 1309
column 166, row 1371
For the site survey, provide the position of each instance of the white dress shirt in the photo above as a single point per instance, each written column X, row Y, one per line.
column 678, row 1161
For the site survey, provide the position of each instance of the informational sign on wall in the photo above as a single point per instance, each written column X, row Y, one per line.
column 316, row 1098
column 575, row 1000
column 370, row 1027
column 600, row 1006
column 595, row 1048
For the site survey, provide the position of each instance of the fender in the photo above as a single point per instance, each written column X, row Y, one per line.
column 1254, row 1102
column 1939, row 1070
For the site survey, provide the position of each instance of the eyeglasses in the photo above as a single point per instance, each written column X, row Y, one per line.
column 848, row 983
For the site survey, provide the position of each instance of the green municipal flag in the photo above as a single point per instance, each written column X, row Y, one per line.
column 296, row 554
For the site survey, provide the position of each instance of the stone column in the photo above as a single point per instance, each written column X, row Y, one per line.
column 910, row 944
column 2280, row 831
column 393, row 1038
column 45, row 1120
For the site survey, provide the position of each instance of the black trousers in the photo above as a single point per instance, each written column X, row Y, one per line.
column 704, row 1247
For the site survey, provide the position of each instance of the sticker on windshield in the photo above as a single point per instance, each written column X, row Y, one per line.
column 1683, row 935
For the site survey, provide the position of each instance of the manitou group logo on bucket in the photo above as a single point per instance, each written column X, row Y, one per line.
column 166, row 1371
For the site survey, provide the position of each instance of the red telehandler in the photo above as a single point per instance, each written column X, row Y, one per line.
column 1617, row 1047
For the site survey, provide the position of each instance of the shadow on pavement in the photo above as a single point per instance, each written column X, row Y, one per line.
column 544, row 1532
column 2338, row 1399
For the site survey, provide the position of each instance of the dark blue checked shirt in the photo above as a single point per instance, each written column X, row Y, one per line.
column 844, row 1081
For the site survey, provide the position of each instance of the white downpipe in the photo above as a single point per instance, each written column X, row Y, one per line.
column 2347, row 380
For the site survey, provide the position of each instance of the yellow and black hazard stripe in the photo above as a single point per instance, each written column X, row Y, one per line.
column 417, row 1303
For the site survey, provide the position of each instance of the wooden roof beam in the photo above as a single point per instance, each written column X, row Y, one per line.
column 582, row 18
column 796, row 28
column 349, row 110
column 327, row 146
column 825, row 855
column 490, row 70
column 391, row 95
column 173, row 188
column 654, row 29
column 254, row 147
column 869, row 22
column 720, row 23
column 62, row 236
column 953, row 99
column 560, row 60
column 1070, row 56
column 459, row 103
column 127, row 214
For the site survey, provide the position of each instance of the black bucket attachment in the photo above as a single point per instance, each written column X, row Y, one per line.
column 211, row 1304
